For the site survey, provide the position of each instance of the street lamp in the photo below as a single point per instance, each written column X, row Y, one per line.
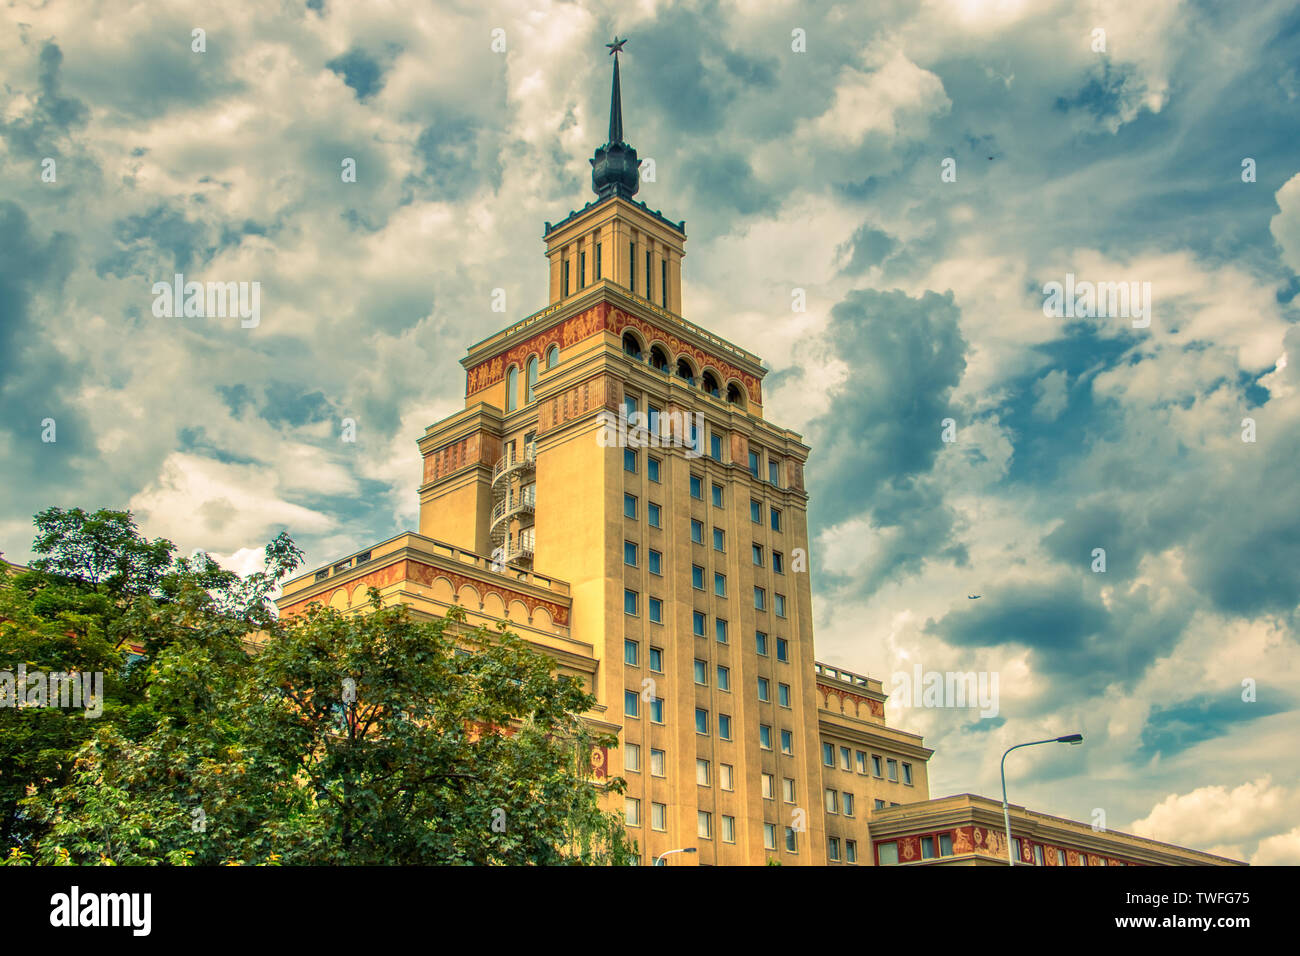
column 659, row 860
column 1006, row 813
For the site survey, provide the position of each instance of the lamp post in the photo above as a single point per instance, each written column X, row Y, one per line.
column 1006, row 812
column 659, row 860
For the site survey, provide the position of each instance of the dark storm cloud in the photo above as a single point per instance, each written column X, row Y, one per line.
column 1173, row 728
column 869, row 247
column 458, row 155
column 156, row 244
column 38, row 133
column 879, row 441
column 361, row 71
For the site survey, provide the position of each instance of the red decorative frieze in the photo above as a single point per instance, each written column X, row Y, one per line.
column 476, row 449
column 425, row 574
column 602, row 317
column 874, row 707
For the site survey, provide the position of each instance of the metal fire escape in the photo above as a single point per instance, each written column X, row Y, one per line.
column 513, row 503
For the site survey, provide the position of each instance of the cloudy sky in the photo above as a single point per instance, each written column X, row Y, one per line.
column 820, row 170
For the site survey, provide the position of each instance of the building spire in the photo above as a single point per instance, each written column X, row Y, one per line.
column 615, row 95
column 614, row 168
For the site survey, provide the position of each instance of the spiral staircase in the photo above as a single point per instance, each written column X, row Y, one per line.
column 513, row 504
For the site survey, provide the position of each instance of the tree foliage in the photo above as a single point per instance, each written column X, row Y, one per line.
column 373, row 738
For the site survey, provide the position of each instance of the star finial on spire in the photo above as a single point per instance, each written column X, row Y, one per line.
column 617, row 45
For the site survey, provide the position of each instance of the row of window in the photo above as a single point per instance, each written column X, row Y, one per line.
column 686, row 371
column 717, row 494
column 654, row 514
column 846, row 754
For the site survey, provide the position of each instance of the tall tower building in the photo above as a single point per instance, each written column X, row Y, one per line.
column 613, row 490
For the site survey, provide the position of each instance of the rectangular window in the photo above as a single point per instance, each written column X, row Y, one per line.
column 778, row 604
column 663, row 282
column 828, row 754
column 701, row 720
column 659, row 816
column 888, row 854
column 762, row 688
column 848, row 804
column 652, row 468
column 632, row 758
column 631, row 703
column 765, row 736
column 832, row 801
column 728, row 829
column 631, row 266
column 648, row 260
column 862, row 761
column 907, row 774
column 778, row 562
column 657, row 660
column 769, row 787
column 697, row 623
column 787, row 742
column 833, row 848
column 629, row 554
column 846, row 759
column 697, row 487
column 629, row 602
column 760, row 643
column 753, row 463
column 776, row 519
column 701, row 772
column 702, row 672
column 654, row 561
column 880, row 804
column 653, row 513
column 774, row 472
column 657, row 763
column 582, row 270
column 783, row 694
column 850, row 851
column 720, row 584
column 566, row 277
column 697, row 531
column 757, row 551
column 892, row 765
column 719, row 540
column 720, row 630
column 632, row 811
column 782, row 649
column 630, row 655
column 697, row 577
column 724, row 726
column 755, row 511
column 1038, row 855
column 724, row 678
column 715, row 446
column 791, row 841
column 760, row 599
column 629, row 506
column 726, row 776
column 927, row 848
column 598, row 262
column 717, row 496
column 629, row 460
column 652, row 419
column 769, row 836
column 657, row 710
column 787, row 788
column 704, row 824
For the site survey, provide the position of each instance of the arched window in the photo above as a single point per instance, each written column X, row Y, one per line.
column 553, row 356
column 532, row 380
column 685, row 372
column 658, row 359
column 512, row 389
column 710, row 385
column 631, row 345
column 735, row 394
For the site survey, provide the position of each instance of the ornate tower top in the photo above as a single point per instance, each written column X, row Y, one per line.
column 614, row 167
